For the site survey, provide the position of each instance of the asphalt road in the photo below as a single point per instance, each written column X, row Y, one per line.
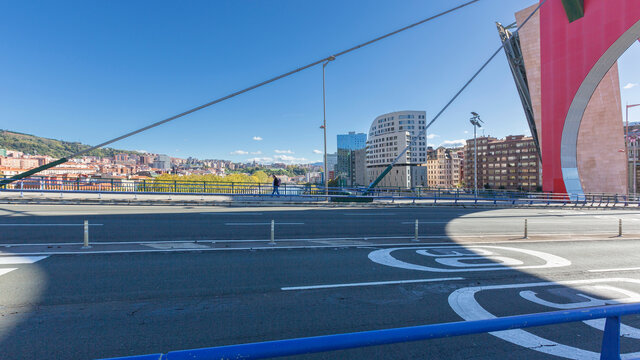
column 60, row 223
column 101, row 305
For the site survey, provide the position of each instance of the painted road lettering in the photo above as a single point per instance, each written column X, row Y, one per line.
column 574, row 294
column 473, row 258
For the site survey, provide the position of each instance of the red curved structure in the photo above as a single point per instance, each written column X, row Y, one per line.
column 574, row 58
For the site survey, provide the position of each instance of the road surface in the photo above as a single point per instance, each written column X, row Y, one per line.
column 102, row 305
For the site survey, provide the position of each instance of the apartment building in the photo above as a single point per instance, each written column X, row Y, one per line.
column 443, row 169
column 511, row 163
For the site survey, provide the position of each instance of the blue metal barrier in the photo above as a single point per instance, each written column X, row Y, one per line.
column 202, row 188
column 610, row 343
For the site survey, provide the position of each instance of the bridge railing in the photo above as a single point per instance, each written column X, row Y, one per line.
column 610, row 348
column 258, row 189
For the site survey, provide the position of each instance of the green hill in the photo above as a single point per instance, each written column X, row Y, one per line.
column 35, row 145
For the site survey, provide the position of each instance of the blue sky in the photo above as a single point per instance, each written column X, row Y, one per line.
column 92, row 70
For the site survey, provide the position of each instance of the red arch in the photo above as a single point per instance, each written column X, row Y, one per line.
column 569, row 52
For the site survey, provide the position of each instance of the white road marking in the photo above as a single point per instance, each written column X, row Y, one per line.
column 368, row 214
column 619, row 269
column 232, row 214
column 90, row 224
column 6, row 271
column 426, row 222
column 177, row 246
column 12, row 260
column 454, row 253
column 375, row 283
column 488, row 260
column 265, row 223
column 464, row 303
column 423, row 237
column 384, row 257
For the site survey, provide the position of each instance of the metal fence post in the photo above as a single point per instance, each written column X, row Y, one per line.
column 86, row 235
column 415, row 236
column 619, row 227
column 272, row 241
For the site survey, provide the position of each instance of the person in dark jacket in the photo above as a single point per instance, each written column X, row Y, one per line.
column 276, row 184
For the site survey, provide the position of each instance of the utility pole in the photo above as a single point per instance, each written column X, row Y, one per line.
column 324, row 127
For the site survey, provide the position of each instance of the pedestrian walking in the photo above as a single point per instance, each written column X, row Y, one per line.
column 276, row 185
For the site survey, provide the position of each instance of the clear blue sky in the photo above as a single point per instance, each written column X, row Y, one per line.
column 91, row 70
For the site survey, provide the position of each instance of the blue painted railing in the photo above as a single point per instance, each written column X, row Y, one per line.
column 292, row 193
column 97, row 185
column 610, row 342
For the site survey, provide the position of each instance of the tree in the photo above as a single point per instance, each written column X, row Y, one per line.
column 261, row 176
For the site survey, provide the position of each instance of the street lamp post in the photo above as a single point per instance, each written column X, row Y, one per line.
column 475, row 121
column 627, row 142
column 324, row 128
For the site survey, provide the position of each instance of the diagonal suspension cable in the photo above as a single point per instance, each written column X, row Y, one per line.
column 424, row 131
column 227, row 97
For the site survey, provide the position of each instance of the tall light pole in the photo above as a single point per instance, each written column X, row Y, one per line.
column 475, row 121
column 634, row 153
column 324, row 127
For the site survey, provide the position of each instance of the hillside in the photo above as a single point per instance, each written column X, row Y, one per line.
column 35, row 145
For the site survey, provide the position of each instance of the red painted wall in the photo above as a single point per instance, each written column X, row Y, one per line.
column 568, row 52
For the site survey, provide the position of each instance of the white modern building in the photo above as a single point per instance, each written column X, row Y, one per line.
column 389, row 134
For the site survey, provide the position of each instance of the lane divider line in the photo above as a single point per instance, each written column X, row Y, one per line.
column 266, row 223
column 375, row 283
column 49, row 224
column 619, row 269
column 365, row 238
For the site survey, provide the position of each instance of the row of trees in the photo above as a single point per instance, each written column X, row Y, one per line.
column 290, row 170
column 258, row 177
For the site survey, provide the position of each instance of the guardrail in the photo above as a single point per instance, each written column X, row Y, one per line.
column 610, row 342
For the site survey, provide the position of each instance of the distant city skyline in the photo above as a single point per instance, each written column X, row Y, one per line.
column 88, row 72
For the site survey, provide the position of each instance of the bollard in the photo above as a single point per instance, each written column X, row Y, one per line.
column 86, row 235
column 415, row 237
column 619, row 227
column 272, row 241
column 526, row 235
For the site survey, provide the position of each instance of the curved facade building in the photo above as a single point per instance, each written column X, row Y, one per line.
column 389, row 134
